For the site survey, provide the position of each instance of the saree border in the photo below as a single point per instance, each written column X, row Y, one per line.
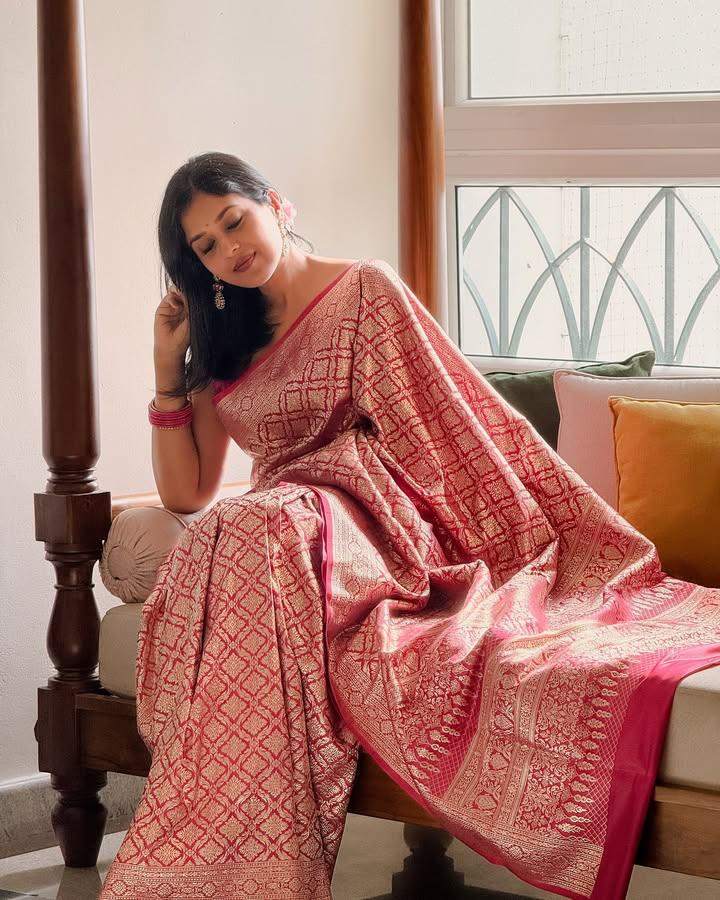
column 631, row 786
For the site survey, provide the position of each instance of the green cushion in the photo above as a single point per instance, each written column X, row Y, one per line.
column 533, row 393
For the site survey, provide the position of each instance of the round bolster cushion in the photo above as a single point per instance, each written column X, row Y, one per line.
column 138, row 541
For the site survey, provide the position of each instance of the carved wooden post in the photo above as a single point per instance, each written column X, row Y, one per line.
column 72, row 517
column 421, row 154
column 421, row 201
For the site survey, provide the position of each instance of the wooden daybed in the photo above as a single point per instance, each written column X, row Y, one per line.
column 84, row 731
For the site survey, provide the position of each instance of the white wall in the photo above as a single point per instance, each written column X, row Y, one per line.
column 306, row 92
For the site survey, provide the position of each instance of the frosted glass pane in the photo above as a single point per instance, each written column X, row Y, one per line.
column 534, row 48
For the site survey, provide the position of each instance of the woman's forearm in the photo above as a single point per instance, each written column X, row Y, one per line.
column 175, row 459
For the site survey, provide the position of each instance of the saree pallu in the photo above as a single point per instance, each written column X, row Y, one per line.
column 414, row 571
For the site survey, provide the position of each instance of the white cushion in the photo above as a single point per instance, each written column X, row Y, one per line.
column 691, row 748
column 585, row 438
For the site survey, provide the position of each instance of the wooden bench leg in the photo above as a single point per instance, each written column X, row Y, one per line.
column 78, row 818
column 427, row 871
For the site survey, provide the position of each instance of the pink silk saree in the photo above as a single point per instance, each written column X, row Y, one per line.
column 414, row 571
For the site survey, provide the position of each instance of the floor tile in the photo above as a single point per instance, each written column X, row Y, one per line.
column 8, row 894
column 371, row 851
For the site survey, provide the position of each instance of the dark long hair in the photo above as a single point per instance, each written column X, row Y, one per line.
column 222, row 342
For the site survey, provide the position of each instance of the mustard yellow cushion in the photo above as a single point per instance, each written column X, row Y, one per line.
column 667, row 454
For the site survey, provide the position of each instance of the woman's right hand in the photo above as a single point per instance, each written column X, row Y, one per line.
column 172, row 327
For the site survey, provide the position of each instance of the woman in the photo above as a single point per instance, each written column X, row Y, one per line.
column 414, row 570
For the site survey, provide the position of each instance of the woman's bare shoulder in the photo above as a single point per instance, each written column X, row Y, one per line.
column 331, row 267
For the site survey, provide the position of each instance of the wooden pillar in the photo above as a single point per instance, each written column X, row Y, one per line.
column 71, row 516
column 422, row 242
column 421, row 157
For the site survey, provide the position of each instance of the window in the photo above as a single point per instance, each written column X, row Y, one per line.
column 583, row 219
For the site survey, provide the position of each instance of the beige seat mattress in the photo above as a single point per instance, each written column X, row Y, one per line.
column 690, row 755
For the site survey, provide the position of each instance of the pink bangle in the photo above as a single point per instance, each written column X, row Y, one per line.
column 170, row 418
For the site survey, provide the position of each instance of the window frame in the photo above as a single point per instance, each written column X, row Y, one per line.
column 631, row 139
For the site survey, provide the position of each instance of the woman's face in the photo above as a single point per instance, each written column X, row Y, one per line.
column 221, row 231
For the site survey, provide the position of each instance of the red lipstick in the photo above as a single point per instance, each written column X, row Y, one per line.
column 244, row 264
